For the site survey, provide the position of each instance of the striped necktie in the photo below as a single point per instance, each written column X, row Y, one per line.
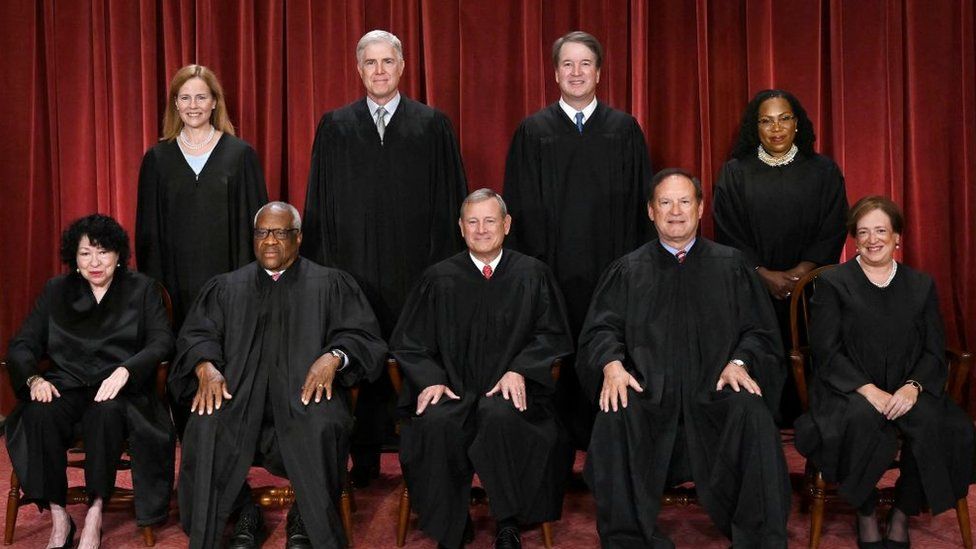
column 681, row 255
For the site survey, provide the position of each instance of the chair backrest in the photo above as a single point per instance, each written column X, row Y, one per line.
column 800, row 357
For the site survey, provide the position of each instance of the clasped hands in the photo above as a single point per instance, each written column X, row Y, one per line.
column 212, row 387
column 780, row 283
column 511, row 386
column 891, row 405
column 43, row 390
column 616, row 380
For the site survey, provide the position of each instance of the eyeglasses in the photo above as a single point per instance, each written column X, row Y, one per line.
column 769, row 121
column 279, row 234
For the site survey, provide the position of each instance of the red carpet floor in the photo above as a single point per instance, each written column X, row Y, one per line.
column 375, row 520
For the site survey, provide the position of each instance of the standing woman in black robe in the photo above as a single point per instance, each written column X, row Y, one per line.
column 879, row 350
column 781, row 204
column 199, row 189
column 104, row 330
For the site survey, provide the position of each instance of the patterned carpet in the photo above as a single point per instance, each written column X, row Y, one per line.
column 375, row 520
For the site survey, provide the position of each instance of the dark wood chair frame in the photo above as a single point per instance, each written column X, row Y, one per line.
column 815, row 492
column 403, row 517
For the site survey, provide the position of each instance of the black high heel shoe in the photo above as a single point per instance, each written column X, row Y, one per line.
column 880, row 544
column 890, row 543
column 69, row 542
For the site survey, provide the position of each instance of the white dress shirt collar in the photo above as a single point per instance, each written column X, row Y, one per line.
column 674, row 251
column 481, row 265
column 391, row 107
column 571, row 112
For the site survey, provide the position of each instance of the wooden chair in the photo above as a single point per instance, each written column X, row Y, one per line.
column 478, row 497
column 284, row 496
column 123, row 497
column 815, row 491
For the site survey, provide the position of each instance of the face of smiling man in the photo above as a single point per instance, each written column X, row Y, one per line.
column 577, row 74
column 380, row 68
column 675, row 210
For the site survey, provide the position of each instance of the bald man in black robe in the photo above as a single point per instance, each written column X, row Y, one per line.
column 266, row 355
column 477, row 341
column 682, row 353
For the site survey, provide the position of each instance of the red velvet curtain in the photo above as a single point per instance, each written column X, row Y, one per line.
column 890, row 85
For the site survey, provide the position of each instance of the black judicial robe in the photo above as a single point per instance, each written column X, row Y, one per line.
column 464, row 331
column 780, row 216
column 384, row 212
column 861, row 334
column 263, row 336
column 190, row 228
column 578, row 200
column 86, row 341
column 675, row 327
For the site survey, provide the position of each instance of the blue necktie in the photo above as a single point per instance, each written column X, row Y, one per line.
column 579, row 122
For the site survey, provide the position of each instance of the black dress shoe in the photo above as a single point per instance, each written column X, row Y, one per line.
column 295, row 530
column 890, row 543
column 249, row 531
column 69, row 541
column 508, row 538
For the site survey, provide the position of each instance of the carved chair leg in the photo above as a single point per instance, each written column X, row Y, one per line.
column 13, row 505
column 962, row 515
column 817, row 511
column 547, row 534
column 345, row 509
column 148, row 536
column 403, row 520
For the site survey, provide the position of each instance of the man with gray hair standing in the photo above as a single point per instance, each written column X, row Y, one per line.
column 385, row 184
column 264, row 362
column 477, row 340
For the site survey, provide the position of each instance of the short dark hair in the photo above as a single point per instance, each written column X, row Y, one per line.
column 668, row 172
column 579, row 37
column 867, row 205
column 102, row 230
column 748, row 141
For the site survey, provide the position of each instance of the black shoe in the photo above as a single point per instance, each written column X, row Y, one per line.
column 249, row 531
column 69, row 541
column 660, row 540
column 295, row 530
column 508, row 538
column 890, row 543
column 365, row 467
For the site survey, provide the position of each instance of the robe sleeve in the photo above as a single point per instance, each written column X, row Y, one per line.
column 759, row 344
column 826, row 246
column 249, row 194
column 641, row 229
column 317, row 230
column 550, row 338
column 930, row 370
column 201, row 339
column 414, row 343
column 30, row 343
column 158, row 338
column 353, row 328
column 602, row 339
column 731, row 216
column 149, row 233
column 523, row 196
column 449, row 187
column 831, row 363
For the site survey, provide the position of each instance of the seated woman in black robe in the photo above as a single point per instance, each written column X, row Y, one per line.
column 104, row 330
column 880, row 371
column 781, row 204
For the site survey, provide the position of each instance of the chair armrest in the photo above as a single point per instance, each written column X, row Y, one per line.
column 960, row 363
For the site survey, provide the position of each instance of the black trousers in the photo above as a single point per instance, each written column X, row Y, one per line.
column 50, row 431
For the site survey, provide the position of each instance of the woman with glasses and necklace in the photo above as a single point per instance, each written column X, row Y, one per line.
column 199, row 189
column 780, row 203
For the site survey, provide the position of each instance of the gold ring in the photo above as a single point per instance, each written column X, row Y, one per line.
column 321, row 385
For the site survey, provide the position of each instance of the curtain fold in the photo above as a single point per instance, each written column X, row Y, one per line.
column 889, row 84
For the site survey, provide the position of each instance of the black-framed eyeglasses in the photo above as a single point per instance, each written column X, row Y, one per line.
column 279, row 234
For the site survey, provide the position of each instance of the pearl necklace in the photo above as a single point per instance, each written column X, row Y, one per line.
column 774, row 161
column 894, row 269
column 191, row 146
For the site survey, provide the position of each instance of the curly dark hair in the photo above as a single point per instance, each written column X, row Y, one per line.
column 748, row 140
column 102, row 230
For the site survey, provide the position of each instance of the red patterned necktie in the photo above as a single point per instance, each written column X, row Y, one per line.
column 486, row 271
column 681, row 255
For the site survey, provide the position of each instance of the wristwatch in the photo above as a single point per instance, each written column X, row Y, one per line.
column 915, row 384
column 739, row 363
column 32, row 379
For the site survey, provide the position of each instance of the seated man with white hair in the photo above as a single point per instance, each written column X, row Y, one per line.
column 264, row 361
